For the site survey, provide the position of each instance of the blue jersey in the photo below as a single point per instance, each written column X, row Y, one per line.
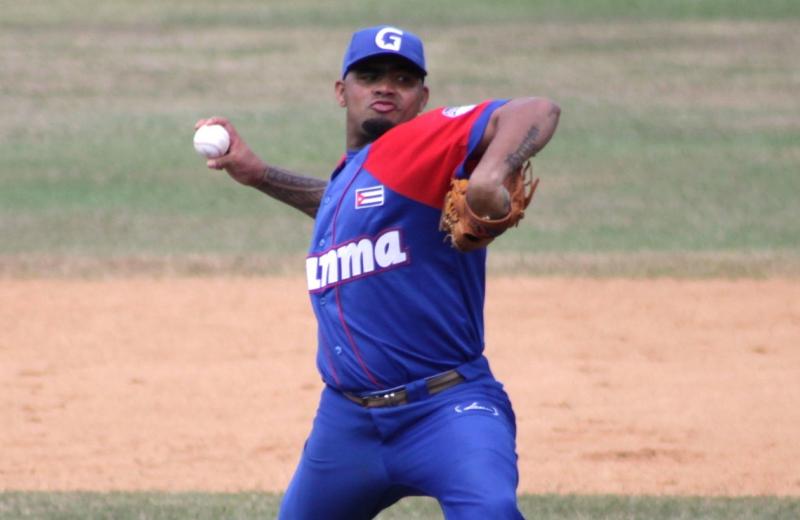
column 393, row 300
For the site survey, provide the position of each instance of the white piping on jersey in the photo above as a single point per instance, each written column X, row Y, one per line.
column 354, row 259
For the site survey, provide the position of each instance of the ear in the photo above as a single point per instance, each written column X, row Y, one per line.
column 338, row 90
column 424, row 97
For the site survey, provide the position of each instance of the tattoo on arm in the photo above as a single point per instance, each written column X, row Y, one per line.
column 525, row 150
column 303, row 193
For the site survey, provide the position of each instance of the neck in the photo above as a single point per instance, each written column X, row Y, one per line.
column 355, row 138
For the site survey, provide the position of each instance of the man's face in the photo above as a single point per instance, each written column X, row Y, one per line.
column 380, row 93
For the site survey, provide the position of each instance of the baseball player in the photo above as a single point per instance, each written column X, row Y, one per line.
column 396, row 277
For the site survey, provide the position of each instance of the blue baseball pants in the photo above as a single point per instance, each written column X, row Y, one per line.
column 458, row 446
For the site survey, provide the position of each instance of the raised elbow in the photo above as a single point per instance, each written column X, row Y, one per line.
column 536, row 108
column 548, row 107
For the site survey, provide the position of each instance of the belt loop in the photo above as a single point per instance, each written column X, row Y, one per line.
column 416, row 390
column 474, row 369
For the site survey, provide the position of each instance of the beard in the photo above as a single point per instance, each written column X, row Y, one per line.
column 376, row 127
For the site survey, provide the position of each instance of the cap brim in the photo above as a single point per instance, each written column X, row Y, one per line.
column 422, row 72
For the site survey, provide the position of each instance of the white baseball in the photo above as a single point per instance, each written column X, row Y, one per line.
column 212, row 141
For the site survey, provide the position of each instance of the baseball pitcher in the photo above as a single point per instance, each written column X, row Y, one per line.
column 396, row 276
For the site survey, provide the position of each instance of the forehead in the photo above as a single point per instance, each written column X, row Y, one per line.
column 386, row 63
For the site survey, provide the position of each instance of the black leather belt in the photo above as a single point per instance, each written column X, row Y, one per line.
column 399, row 395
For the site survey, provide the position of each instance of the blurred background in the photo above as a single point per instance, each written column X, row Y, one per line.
column 678, row 152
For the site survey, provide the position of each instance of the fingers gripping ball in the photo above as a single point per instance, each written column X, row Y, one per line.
column 467, row 231
column 212, row 141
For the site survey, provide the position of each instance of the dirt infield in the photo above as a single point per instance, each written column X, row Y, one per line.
column 620, row 386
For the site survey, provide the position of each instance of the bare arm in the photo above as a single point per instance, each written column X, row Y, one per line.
column 244, row 166
column 516, row 132
column 303, row 193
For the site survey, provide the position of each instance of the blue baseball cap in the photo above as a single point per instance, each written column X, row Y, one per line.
column 384, row 40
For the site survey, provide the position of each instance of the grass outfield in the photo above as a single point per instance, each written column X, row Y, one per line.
column 679, row 141
column 249, row 506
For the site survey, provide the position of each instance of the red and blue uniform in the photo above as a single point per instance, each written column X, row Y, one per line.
column 396, row 304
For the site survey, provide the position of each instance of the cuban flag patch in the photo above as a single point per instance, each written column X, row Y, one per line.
column 369, row 197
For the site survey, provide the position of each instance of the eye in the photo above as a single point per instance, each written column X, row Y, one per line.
column 367, row 76
column 406, row 80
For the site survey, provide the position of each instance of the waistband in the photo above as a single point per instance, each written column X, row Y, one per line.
column 417, row 390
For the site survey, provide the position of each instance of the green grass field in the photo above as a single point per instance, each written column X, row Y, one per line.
column 678, row 154
column 678, row 151
column 248, row 506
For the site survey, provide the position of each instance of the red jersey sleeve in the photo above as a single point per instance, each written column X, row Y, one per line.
column 417, row 159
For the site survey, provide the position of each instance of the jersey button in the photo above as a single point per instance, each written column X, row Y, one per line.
column 321, row 242
column 322, row 300
column 338, row 350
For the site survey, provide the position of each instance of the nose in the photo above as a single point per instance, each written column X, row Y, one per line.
column 384, row 86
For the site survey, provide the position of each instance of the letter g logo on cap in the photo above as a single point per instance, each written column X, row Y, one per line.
column 389, row 38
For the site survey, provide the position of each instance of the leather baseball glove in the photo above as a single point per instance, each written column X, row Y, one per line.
column 467, row 231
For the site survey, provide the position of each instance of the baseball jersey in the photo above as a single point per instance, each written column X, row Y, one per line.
column 393, row 300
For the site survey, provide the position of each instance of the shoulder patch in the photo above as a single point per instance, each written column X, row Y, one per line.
column 457, row 111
